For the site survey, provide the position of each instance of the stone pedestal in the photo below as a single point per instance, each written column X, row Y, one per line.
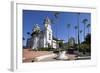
column 62, row 56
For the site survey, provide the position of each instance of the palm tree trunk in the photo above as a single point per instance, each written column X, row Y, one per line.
column 76, row 37
column 88, row 30
column 78, row 33
column 68, row 38
column 84, row 32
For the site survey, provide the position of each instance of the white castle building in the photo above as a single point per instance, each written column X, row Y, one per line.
column 42, row 38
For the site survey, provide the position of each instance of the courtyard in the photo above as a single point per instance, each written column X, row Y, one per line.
column 45, row 56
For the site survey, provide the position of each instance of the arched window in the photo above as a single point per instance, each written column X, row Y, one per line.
column 49, row 36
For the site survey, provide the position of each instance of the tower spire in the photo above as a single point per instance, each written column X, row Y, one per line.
column 47, row 20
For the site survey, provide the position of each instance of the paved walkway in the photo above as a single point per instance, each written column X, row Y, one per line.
column 28, row 54
column 44, row 56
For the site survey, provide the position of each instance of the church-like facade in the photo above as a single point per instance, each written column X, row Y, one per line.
column 42, row 38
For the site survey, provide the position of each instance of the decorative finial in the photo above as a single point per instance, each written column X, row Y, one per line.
column 36, row 27
column 47, row 20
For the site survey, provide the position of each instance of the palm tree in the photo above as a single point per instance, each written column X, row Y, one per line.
column 80, row 33
column 76, row 32
column 68, row 26
column 84, row 22
column 28, row 33
column 23, row 38
column 56, row 14
column 88, row 26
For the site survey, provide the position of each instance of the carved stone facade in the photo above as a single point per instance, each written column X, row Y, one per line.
column 42, row 38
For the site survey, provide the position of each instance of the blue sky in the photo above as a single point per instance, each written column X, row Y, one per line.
column 59, row 27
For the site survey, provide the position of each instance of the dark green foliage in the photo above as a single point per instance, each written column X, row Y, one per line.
column 88, row 39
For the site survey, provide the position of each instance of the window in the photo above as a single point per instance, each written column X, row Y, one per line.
column 49, row 36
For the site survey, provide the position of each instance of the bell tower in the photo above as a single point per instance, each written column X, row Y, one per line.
column 48, row 32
